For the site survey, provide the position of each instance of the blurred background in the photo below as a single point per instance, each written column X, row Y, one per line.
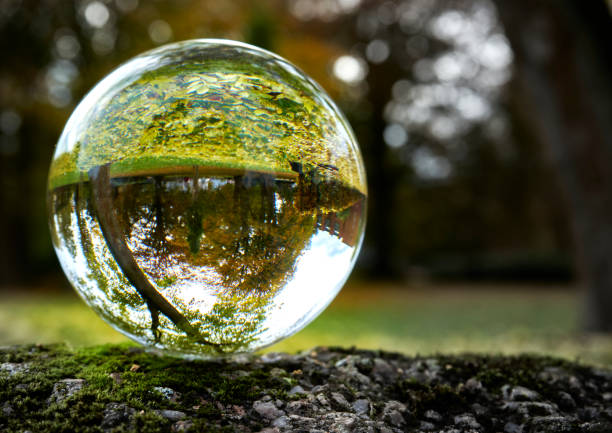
column 486, row 129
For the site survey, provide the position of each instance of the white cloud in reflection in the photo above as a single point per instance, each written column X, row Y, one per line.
column 320, row 272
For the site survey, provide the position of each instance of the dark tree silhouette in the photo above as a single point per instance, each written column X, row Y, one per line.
column 563, row 55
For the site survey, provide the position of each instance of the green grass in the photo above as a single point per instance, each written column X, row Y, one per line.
column 148, row 165
column 422, row 320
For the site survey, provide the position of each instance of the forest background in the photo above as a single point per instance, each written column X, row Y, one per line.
column 485, row 130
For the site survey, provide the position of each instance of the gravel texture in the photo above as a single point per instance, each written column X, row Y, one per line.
column 122, row 388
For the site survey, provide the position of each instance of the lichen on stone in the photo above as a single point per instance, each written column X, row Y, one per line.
column 122, row 388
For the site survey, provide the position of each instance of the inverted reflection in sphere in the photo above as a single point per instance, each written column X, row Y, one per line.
column 206, row 198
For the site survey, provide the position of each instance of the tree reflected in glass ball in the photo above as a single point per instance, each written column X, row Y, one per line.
column 207, row 198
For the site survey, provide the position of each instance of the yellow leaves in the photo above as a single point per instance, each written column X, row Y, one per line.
column 63, row 163
column 148, row 136
column 245, row 116
column 197, row 84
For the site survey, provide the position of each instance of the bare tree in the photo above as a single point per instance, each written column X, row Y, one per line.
column 563, row 60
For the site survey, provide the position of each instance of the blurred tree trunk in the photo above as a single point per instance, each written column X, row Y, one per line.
column 382, row 175
column 382, row 186
column 563, row 61
column 16, row 203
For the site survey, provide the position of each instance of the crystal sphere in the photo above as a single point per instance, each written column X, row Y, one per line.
column 207, row 198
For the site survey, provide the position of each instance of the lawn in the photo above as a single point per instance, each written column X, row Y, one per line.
column 412, row 320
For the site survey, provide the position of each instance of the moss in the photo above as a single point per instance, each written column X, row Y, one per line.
column 139, row 372
column 209, row 411
column 443, row 397
column 151, row 422
column 217, row 396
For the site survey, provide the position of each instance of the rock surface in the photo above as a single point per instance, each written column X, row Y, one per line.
column 122, row 388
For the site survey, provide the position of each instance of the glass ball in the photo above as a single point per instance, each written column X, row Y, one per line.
column 207, row 198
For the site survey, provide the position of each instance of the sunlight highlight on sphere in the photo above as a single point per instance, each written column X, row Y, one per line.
column 207, row 198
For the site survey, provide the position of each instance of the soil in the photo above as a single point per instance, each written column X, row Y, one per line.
column 123, row 389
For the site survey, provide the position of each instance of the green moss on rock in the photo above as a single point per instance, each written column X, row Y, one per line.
column 122, row 388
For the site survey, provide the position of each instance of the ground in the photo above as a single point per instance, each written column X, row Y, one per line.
column 121, row 388
column 412, row 319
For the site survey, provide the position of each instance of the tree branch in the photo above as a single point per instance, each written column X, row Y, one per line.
column 103, row 204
